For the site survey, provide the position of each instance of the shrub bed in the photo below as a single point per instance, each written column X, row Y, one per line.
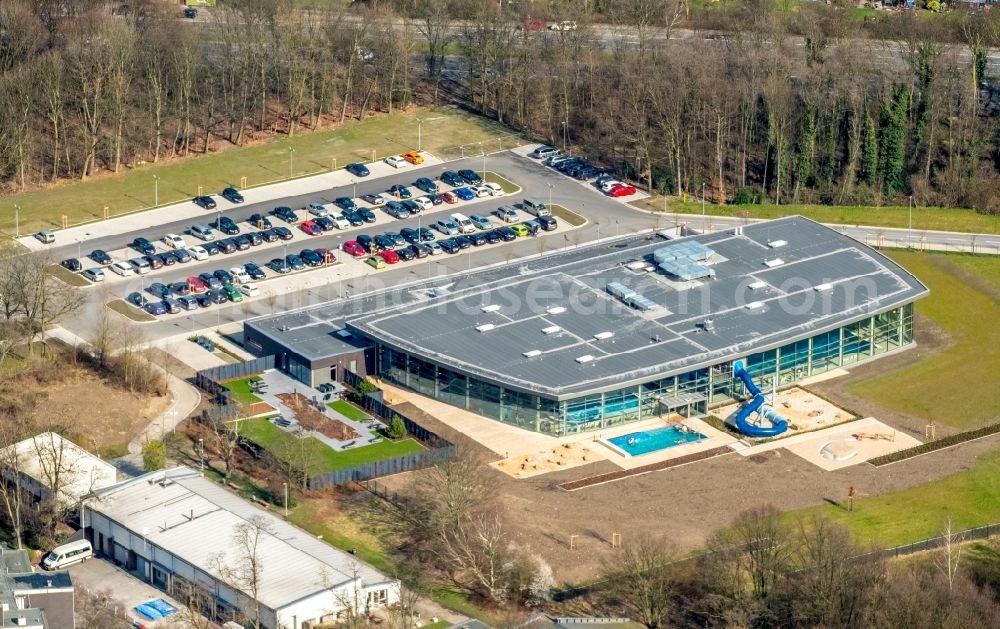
column 944, row 442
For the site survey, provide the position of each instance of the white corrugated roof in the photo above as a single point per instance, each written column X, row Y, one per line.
column 194, row 519
column 49, row 456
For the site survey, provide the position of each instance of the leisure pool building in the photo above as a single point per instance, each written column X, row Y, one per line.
column 614, row 331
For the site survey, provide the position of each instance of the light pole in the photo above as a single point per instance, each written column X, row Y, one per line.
column 285, row 485
column 291, row 160
column 564, row 124
column 156, row 190
column 17, row 221
column 909, row 220
column 550, row 196
column 354, row 183
column 638, row 168
column 484, row 159
column 201, row 453
column 703, row 205
column 420, row 123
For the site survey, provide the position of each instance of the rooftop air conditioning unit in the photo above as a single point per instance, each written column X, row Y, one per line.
column 822, row 287
column 491, row 308
column 586, row 358
column 755, row 305
column 486, row 327
column 552, row 329
column 600, row 336
column 531, row 353
column 758, row 285
column 554, row 310
column 774, row 244
column 773, row 263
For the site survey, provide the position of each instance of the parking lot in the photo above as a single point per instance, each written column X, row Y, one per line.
column 282, row 290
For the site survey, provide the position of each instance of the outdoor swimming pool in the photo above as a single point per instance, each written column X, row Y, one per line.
column 646, row 441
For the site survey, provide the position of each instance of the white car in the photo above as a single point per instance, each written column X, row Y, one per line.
column 494, row 188
column 565, row 25
column 481, row 190
column 608, row 185
column 250, row 290
column 94, row 274
column 318, row 209
column 424, row 203
column 198, row 253
column 122, row 268
column 340, row 222
column 240, row 275
column 395, row 161
column 174, row 241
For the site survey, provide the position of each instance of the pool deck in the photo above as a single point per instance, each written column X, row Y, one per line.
column 713, row 439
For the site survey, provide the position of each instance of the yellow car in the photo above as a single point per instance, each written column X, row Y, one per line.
column 414, row 157
column 376, row 262
column 520, row 229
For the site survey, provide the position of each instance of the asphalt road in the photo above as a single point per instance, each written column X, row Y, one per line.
column 606, row 217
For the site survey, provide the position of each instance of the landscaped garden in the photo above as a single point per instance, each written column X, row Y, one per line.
column 240, row 390
column 348, row 410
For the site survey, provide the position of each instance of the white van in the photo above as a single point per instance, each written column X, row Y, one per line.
column 535, row 207
column 465, row 226
column 68, row 554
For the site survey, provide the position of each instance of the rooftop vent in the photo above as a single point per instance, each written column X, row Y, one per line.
column 822, row 287
column 708, row 325
column 755, row 305
column 531, row 353
column 758, row 285
column 344, row 334
column 491, row 308
column 556, row 310
column 636, row 265
column 486, row 327
column 773, row 263
column 586, row 358
column 552, row 329
column 600, row 336
column 774, row 244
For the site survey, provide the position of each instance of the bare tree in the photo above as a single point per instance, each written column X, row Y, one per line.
column 949, row 559
column 643, row 580
column 242, row 568
column 479, row 545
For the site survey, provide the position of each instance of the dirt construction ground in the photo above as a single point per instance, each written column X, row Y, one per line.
column 686, row 504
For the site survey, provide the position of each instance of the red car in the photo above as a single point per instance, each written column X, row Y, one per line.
column 390, row 256
column 327, row 255
column 449, row 197
column 196, row 285
column 621, row 190
column 311, row 228
column 353, row 248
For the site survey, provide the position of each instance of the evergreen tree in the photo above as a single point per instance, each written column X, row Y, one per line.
column 892, row 141
column 869, row 152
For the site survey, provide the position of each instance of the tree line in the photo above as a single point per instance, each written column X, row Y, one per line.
column 798, row 105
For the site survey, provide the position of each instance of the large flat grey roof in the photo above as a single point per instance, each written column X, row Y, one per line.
column 799, row 278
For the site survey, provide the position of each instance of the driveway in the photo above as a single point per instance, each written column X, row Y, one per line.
column 98, row 575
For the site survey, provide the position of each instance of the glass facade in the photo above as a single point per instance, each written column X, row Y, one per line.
column 687, row 393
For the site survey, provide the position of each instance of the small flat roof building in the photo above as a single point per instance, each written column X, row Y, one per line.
column 618, row 330
column 48, row 462
column 191, row 537
column 33, row 600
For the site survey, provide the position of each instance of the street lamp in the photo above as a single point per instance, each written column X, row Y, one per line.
column 909, row 222
column 156, row 190
column 703, row 226
column 79, row 249
column 483, row 150
column 354, row 183
column 285, row 485
column 201, row 453
column 638, row 168
column 17, row 221
column 550, row 196
column 420, row 122
column 564, row 124
column 291, row 160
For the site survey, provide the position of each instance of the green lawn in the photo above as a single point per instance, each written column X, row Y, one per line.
column 129, row 311
column 273, row 438
column 68, row 277
column 924, row 218
column 970, row 498
column 444, row 131
column 509, row 187
column 240, row 390
column 964, row 297
column 349, row 410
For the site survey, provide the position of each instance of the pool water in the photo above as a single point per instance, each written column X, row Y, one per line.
column 646, row 441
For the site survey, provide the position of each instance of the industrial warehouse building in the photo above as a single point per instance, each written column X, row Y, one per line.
column 195, row 540
column 615, row 331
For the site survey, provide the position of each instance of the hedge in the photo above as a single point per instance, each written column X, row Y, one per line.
column 944, row 442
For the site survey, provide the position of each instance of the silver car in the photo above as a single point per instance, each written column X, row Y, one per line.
column 447, row 227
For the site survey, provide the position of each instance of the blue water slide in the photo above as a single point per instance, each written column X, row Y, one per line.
column 778, row 423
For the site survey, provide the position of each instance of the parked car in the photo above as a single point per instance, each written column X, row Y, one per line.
column 426, row 184
column 345, row 203
column 340, row 222
column 310, row 228
column 375, row 262
column 366, row 215
column 279, row 266
column 254, row 271
column 463, row 242
column 373, row 199
column 184, row 255
column 311, row 258
column 283, row 233
column 122, row 268
column 520, row 229
column 481, row 222
column 410, row 234
column 100, row 256
column 254, row 238
column 411, row 206
column 188, row 302
column 621, row 190
column 464, row 194
column 396, row 238
column 423, row 203
column 94, row 274
column 205, row 202
column 260, row 222
column 357, row 169
column 197, row 285
column 286, row 214
column 172, row 305
column 452, row 178
column 351, row 247
column 181, row 289
column 232, row 195
column 203, row 232
column 353, row 218
column 46, row 237
column 136, row 299
column 395, row 161
column 470, row 176
column 325, row 223
column 226, row 225
column 198, row 252
column 477, row 238
column 367, row 243
column 174, row 241
column 213, row 248
column 204, row 300
column 420, row 250
column 71, row 264
column 446, row 226
column 506, row 214
column 533, row 227
column 389, row 255
column 295, row 262
column 400, row 191
column 434, row 247
column 239, row 274
column 383, row 242
column 217, row 296
column 154, row 261
column 233, row 294
column 140, row 266
column 544, row 151
column 143, row 246
column 317, row 209
column 226, row 246
column 414, row 157
column 506, row 233
column 250, row 290
column 435, row 198
column 223, row 276
column 449, row 245
column 405, row 254
column 492, row 237
column 449, row 197
column 396, row 209
column 210, row 280
column 156, row 308
column 482, row 190
column 190, row 13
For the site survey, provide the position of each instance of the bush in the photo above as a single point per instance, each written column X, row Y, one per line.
column 944, row 442
column 364, row 388
column 747, row 196
column 154, row 456
column 397, row 428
